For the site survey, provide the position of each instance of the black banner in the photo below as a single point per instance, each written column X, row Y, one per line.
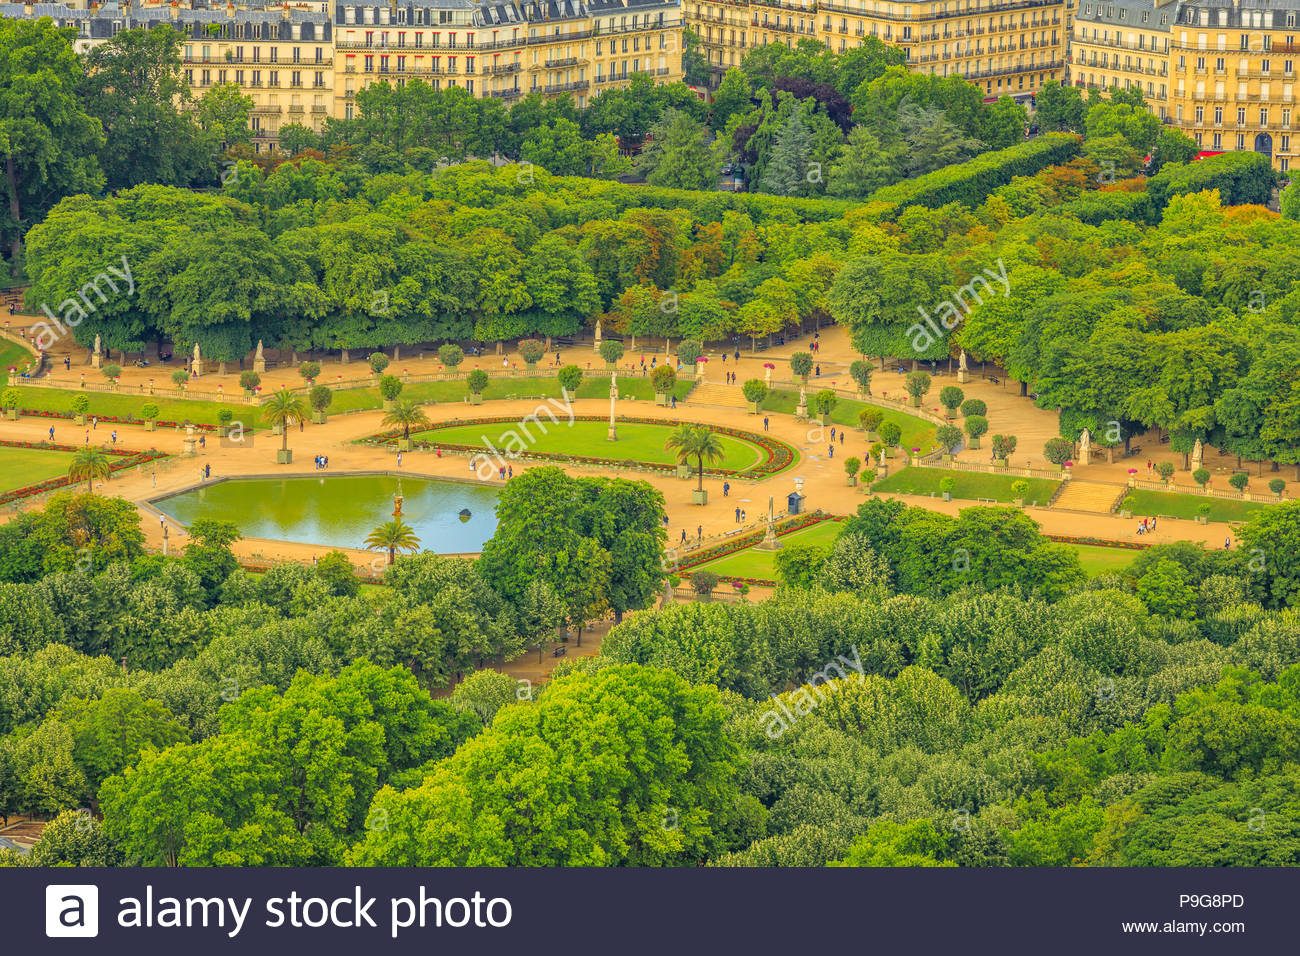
column 635, row 911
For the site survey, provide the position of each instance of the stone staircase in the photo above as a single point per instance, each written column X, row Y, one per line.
column 718, row 396
column 1089, row 496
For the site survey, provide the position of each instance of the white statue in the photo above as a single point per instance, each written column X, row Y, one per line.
column 259, row 350
column 1198, row 452
column 961, row 360
column 1085, row 446
column 99, row 346
column 197, row 356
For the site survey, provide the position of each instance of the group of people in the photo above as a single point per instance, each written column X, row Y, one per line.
column 1146, row 525
column 322, row 462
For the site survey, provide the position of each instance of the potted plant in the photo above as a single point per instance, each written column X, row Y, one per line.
column 1058, row 452
column 10, row 399
column 150, row 415
column 1126, row 506
column 824, row 401
column 869, row 420
column 851, row 468
column 1202, row 477
column 951, row 397
column 1240, row 480
column 249, row 381
column 406, row 415
column 112, row 373
column 689, row 352
column 949, row 438
column 476, row 381
column 755, row 394
column 309, row 371
column 975, row 426
column 80, row 406
column 180, row 378
column 860, row 372
column 224, row 417
column 801, row 364
column 284, row 410
column 1165, row 469
column 701, row 443
column 973, row 406
column 320, row 398
column 570, row 378
column 946, row 484
column 664, row 379
column 611, row 350
column 390, row 386
column 891, row 433
column 377, row 361
column 1203, row 514
column 917, row 384
column 451, row 355
column 1020, row 489
column 531, row 351
column 1003, row 446
column 865, row 478
column 1277, row 486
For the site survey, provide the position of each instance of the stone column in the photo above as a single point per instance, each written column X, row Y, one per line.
column 613, row 397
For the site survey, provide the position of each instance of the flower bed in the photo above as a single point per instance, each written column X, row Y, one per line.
column 1098, row 542
column 752, row 538
column 126, row 459
column 779, row 455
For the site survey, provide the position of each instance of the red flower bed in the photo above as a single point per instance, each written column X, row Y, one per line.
column 111, row 419
column 779, row 455
column 1098, row 542
column 126, row 459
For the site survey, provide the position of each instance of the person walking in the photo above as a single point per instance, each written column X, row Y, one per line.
column 94, row 423
column 1227, row 543
column 510, row 472
column 699, row 534
column 207, row 471
column 51, row 433
column 683, row 536
column 742, row 514
column 832, row 433
column 765, row 424
column 399, row 459
column 841, row 439
column 737, row 514
column 831, row 449
column 726, row 488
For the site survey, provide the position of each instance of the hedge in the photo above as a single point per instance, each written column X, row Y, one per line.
column 972, row 181
column 1240, row 177
column 1098, row 207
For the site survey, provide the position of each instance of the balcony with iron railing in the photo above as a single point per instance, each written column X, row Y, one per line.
column 561, row 62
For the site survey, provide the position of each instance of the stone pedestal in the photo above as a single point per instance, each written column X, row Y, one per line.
column 190, row 443
column 612, row 434
column 963, row 376
column 197, row 367
column 259, row 366
column 96, row 360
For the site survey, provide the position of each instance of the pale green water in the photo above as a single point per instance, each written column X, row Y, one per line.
column 340, row 510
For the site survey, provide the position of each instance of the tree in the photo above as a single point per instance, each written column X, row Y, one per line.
column 320, row 398
column 679, row 155
column 917, row 384
column 948, row 437
column 1004, row 446
column 393, row 536
column 109, row 733
column 1239, row 480
column 786, row 172
column 611, row 350
column 755, row 391
column 452, row 355
column 284, row 410
column 1164, row 590
column 570, row 377
column 801, row 364
column 974, row 406
column 74, row 838
column 406, row 414
column 891, row 433
column 951, row 397
column 975, row 426
column 88, row 464
column 209, row 554
column 223, row 114
column 695, row 66
column 664, row 756
column 310, row 371
column 477, row 382
column 1165, row 469
column 864, row 164
column 1172, row 146
column 861, row 372
column 699, row 442
column 49, row 142
column 733, row 95
column 1057, row 450
column 824, row 401
column 663, row 378
column 704, row 583
column 485, row 692
column 1201, row 476
column 377, row 361
column 390, row 386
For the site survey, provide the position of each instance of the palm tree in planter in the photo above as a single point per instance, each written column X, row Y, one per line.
column 406, row 415
column 860, row 372
column 664, row 380
column 891, row 433
column 89, row 464
column 976, row 426
column 917, row 384
column 476, row 381
column 951, row 397
column 320, row 398
column 570, row 378
column 10, row 399
column 393, row 536
column 1021, row 491
column 285, row 409
column 869, row 420
column 948, row 437
column 390, row 386
column 611, row 350
column 755, row 393
column 946, row 484
column 701, row 443
column 851, row 468
column 824, row 401
column 150, row 415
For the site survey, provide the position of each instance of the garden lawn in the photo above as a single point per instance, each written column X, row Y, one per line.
column 1161, row 503
column 917, row 432
column 636, row 441
column 755, row 563
column 109, row 404
column 20, row 467
column 1098, row 560
column 13, row 354
column 925, row 481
